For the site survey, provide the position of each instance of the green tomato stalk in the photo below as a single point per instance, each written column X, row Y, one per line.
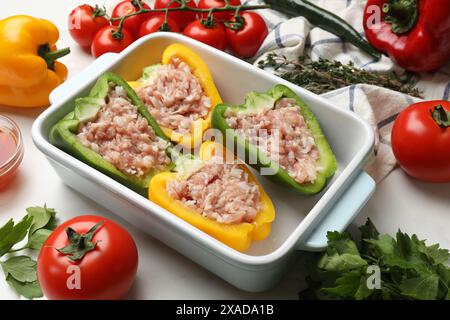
column 208, row 22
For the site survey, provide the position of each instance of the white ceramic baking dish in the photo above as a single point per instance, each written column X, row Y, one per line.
column 301, row 222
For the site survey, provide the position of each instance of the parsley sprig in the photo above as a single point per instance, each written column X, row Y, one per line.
column 20, row 270
column 409, row 269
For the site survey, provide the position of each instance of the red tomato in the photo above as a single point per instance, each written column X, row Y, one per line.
column 183, row 18
column 105, row 42
column 132, row 24
column 107, row 272
column 153, row 24
column 214, row 36
column 220, row 16
column 84, row 24
column 421, row 146
column 247, row 41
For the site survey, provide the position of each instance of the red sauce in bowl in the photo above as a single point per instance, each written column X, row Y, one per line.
column 8, row 145
column 11, row 150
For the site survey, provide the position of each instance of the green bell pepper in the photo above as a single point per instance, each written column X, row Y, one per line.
column 258, row 159
column 63, row 133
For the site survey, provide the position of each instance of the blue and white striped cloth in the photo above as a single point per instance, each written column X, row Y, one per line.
column 378, row 106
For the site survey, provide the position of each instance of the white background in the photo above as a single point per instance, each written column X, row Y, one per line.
column 399, row 201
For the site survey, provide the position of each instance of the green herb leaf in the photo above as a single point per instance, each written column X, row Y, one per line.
column 435, row 254
column 29, row 290
column 368, row 230
column 309, row 293
column 342, row 254
column 406, row 255
column 408, row 268
column 424, row 287
column 382, row 246
column 352, row 284
column 20, row 271
column 37, row 239
column 341, row 243
column 43, row 217
column 341, row 262
column 12, row 235
column 21, row 268
column 6, row 230
column 444, row 274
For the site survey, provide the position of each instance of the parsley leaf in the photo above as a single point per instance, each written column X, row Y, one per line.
column 342, row 254
column 382, row 246
column 43, row 217
column 21, row 268
column 405, row 268
column 6, row 230
column 352, row 284
column 12, row 234
column 20, row 271
column 37, row 239
column 435, row 254
column 423, row 287
column 29, row 290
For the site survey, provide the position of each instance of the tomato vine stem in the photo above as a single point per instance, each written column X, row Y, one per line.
column 183, row 7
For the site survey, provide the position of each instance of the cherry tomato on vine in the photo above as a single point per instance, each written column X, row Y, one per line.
column 214, row 36
column 132, row 24
column 220, row 16
column 105, row 41
column 182, row 18
column 421, row 140
column 247, row 41
column 84, row 23
column 103, row 267
column 154, row 24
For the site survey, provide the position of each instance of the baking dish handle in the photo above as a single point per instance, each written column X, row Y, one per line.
column 342, row 213
column 80, row 79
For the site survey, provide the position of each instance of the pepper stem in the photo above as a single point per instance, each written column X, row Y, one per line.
column 50, row 56
column 401, row 14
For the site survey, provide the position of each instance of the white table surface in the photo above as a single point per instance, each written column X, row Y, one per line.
column 399, row 202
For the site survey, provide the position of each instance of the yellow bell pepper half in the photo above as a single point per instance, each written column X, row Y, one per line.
column 28, row 70
column 237, row 236
column 201, row 71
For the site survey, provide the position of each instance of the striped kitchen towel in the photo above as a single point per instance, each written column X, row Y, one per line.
column 378, row 106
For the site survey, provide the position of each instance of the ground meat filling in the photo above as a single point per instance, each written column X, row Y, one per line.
column 123, row 137
column 283, row 134
column 174, row 97
column 219, row 191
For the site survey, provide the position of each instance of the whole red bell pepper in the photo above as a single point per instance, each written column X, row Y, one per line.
column 414, row 33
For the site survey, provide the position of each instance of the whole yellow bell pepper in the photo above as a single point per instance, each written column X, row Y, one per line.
column 201, row 71
column 28, row 67
column 238, row 236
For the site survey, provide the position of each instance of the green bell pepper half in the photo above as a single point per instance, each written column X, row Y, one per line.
column 63, row 133
column 258, row 159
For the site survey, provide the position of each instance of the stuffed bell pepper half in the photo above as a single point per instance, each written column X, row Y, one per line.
column 180, row 94
column 277, row 131
column 218, row 195
column 112, row 131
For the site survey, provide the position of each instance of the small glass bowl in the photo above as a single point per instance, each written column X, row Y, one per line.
column 8, row 169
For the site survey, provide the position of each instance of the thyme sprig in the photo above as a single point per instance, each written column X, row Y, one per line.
column 326, row 75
